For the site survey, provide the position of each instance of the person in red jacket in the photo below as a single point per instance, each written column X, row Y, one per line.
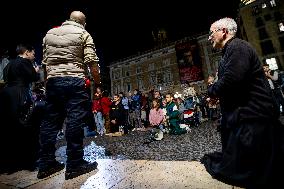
column 106, row 103
column 97, row 111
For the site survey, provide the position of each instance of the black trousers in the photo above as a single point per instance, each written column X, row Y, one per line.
column 67, row 101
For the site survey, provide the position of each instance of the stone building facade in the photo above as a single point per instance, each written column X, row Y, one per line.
column 262, row 24
column 158, row 69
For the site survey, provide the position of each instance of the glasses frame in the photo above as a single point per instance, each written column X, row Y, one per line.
column 211, row 33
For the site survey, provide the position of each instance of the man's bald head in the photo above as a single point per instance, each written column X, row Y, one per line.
column 78, row 17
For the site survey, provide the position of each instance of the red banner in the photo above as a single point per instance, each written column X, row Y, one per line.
column 189, row 61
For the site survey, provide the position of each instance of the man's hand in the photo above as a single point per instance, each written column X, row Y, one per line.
column 210, row 80
column 36, row 68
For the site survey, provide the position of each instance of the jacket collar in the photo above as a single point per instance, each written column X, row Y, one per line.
column 70, row 22
column 226, row 45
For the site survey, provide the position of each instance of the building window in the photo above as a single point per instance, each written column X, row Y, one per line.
column 116, row 74
column 281, row 26
column 140, row 83
column 166, row 62
column 272, row 3
column 272, row 63
column 259, row 22
column 153, row 79
column 262, row 33
column 138, row 69
column 267, row 47
column 168, row 77
column 126, row 71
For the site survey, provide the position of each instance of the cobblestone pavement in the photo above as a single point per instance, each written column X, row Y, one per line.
column 137, row 145
column 135, row 161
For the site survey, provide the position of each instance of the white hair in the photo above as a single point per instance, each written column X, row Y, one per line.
column 228, row 23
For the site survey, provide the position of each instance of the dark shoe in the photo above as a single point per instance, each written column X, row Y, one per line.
column 81, row 169
column 43, row 173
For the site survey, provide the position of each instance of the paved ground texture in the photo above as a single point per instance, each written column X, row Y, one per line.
column 138, row 145
column 135, row 161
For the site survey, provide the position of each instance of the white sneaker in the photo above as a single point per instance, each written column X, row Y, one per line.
column 188, row 130
column 159, row 135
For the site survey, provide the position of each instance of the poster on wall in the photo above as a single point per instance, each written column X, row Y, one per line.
column 189, row 61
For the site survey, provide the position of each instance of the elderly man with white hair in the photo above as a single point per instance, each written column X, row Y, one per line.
column 251, row 133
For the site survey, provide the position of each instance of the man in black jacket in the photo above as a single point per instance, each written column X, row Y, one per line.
column 251, row 133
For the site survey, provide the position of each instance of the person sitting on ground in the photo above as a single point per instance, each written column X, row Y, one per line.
column 156, row 118
column 173, row 116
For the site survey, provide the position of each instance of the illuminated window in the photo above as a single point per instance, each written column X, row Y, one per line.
column 272, row 3
column 281, row 27
column 272, row 63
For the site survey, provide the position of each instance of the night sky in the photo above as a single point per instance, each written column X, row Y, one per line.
column 119, row 28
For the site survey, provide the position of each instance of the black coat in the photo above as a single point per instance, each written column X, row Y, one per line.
column 18, row 76
column 251, row 134
column 242, row 87
column 117, row 113
column 19, row 143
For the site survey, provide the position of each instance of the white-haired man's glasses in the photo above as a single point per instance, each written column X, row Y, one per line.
column 213, row 32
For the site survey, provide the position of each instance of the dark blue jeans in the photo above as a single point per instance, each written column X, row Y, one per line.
column 67, row 100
